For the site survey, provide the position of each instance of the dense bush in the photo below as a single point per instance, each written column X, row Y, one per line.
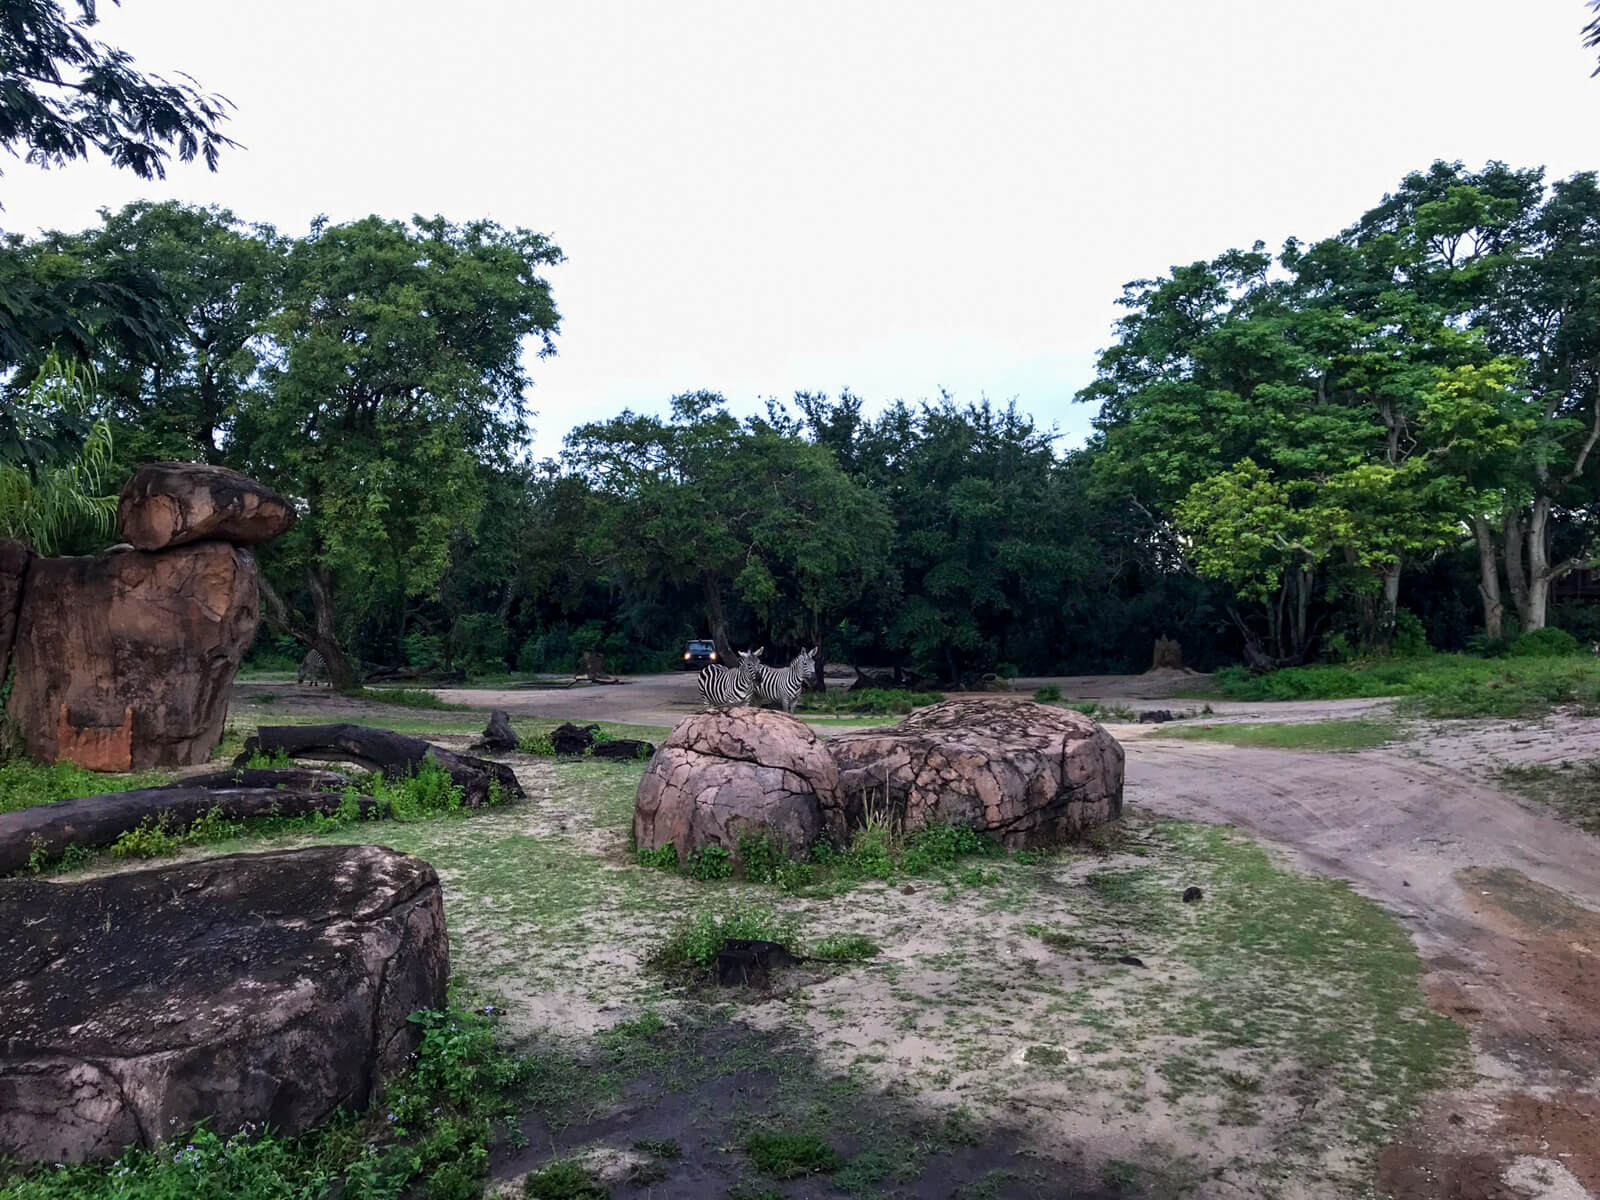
column 1543, row 643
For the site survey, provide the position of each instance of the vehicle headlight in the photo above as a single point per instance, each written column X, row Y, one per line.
column 685, row 658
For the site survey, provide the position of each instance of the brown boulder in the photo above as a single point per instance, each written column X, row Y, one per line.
column 125, row 661
column 170, row 504
column 722, row 773
column 1025, row 773
column 268, row 989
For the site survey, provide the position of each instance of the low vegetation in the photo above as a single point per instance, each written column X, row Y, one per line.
column 1318, row 735
column 406, row 698
column 867, row 701
column 430, row 1136
column 1440, row 686
column 25, row 784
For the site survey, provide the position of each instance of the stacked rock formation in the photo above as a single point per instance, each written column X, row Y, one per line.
column 1026, row 774
column 255, row 989
column 124, row 660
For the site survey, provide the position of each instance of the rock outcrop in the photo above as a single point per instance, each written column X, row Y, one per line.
column 125, row 661
column 170, row 504
column 1027, row 774
column 720, row 774
column 263, row 989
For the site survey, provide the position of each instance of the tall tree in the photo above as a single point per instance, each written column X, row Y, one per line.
column 395, row 372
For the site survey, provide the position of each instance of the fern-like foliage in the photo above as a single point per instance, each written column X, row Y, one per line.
column 60, row 501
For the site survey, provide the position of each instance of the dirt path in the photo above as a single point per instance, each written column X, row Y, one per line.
column 1500, row 900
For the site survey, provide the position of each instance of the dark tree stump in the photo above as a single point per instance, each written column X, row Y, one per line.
column 622, row 748
column 499, row 736
column 572, row 739
column 744, row 963
column 395, row 754
column 1155, row 716
column 97, row 821
column 1167, row 655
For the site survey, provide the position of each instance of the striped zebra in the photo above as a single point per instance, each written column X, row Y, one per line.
column 783, row 685
column 313, row 668
column 725, row 687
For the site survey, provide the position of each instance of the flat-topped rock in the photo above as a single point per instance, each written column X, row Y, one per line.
column 268, row 989
column 721, row 774
column 1027, row 774
column 169, row 504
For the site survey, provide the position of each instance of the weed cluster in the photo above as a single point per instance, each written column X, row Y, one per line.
column 693, row 944
column 430, row 1135
column 26, row 785
column 876, row 851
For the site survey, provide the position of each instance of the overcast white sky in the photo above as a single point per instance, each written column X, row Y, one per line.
column 883, row 195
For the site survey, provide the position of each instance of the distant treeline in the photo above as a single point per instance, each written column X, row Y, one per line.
column 1378, row 441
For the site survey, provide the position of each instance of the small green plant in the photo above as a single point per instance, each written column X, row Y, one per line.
column 563, row 1181
column 153, row 838
column 663, row 858
column 696, row 940
column 762, row 856
column 1048, row 694
column 659, row 1147
column 538, row 743
column 844, row 947
column 938, row 846
column 428, row 792
column 791, row 1155
column 212, row 826
column 710, row 863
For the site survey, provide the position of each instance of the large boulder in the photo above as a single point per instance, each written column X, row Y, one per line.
column 720, row 774
column 1027, row 774
column 125, row 661
column 170, row 504
column 261, row 989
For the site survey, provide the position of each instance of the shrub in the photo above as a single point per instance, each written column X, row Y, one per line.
column 937, row 846
column 1543, row 643
column 1048, row 694
column 429, row 792
column 664, row 858
column 538, row 743
column 153, row 838
column 710, row 862
column 562, row 1181
column 1410, row 635
column 761, row 856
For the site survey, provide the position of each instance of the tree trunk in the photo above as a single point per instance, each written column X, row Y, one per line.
column 1489, row 580
column 395, row 754
column 1516, row 573
column 719, row 626
column 342, row 673
column 1540, row 573
column 1389, row 607
column 96, row 821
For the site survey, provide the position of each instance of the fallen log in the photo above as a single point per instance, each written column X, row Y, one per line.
column 624, row 748
column 94, row 822
column 296, row 778
column 395, row 754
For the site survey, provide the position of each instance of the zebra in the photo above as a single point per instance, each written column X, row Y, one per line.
column 725, row 687
column 314, row 668
column 783, row 685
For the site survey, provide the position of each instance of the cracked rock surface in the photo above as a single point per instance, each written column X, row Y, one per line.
column 721, row 773
column 1027, row 774
column 262, row 989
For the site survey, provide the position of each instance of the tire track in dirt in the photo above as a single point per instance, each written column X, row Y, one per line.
column 1501, row 902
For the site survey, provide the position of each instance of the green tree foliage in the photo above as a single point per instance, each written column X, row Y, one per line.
column 60, row 506
column 65, row 94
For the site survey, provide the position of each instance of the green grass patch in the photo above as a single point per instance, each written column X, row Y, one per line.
column 1570, row 789
column 845, row 947
column 867, row 701
column 1440, row 686
column 406, row 698
column 1354, row 734
column 563, row 1181
column 26, row 785
column 791, row 1155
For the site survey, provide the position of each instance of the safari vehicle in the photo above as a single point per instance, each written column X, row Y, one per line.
column 697, row 654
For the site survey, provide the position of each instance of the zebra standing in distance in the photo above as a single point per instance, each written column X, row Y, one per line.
column 726, row 687
column 783, row 685
column 313, row 668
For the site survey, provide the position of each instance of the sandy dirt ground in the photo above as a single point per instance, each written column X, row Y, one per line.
column 1501, row 899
